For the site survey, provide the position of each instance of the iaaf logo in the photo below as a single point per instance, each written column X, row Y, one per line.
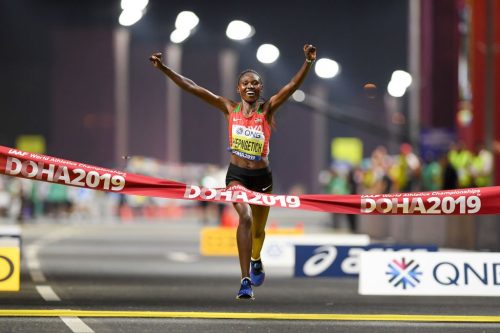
column 403, row 273
column 17, row 152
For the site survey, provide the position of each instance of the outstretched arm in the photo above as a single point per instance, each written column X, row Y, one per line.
column 285, row 92
column 188, row 85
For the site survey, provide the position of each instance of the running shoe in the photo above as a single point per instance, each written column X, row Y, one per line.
column 257, row 273
column 246, row 291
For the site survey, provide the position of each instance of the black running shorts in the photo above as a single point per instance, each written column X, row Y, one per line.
column 258, row 180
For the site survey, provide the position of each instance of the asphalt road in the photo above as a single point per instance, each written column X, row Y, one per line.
column 149, row 277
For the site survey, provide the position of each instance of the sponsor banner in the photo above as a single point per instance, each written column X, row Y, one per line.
column 430, row 274
column 10, row 264
column 330, row 260
column 18, row 163
column 221, row 241
column 279, row 251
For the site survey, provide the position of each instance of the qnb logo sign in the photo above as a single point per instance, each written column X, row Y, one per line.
column 403, row 273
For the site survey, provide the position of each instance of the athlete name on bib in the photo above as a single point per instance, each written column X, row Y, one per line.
column 249, row 141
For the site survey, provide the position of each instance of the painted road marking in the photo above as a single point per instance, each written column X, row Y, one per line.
column 182, row 257
column 76, row 325
column 47, row 293
column 37, row 276
column 236, row 315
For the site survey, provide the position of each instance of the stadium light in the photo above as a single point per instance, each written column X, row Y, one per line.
column 268, row 53
column 239, row 30
column 186, row 20
column 185, row 23
column 400, row 80
column 133, row 10
column 179, row 35
column 326, row 68
column 299, row 96
column 134, row 5
column 129, row 17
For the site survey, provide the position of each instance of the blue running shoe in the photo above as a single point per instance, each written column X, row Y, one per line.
column 257, row 273
column 246, row 291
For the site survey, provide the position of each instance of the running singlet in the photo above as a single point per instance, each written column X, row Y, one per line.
column 249, row 137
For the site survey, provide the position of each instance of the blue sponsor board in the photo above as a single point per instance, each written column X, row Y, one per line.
column 331, row 260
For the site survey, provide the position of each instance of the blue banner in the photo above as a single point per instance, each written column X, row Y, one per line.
column 331, row 260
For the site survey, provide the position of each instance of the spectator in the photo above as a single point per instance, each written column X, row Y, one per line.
column 449, row 174
column 432, row 175
column 481, row 166
column 460, row 158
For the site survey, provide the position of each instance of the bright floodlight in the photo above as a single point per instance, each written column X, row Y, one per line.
column 326, row 68
column 179, row 35
column 401, row 77
column 129, row 17
column 239, row 30
column 299, row 96
column 396, row 89
column 400, row 80
column 186, row 20
column 267, row 53
column 134, row 4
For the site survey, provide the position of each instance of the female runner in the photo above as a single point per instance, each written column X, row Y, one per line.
column 249, row 125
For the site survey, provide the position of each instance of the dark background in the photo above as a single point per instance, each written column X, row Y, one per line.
column 57, row 73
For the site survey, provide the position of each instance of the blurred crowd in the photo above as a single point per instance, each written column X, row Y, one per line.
column 407, row 172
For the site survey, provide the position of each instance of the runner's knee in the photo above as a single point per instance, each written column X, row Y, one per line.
column 246, row 220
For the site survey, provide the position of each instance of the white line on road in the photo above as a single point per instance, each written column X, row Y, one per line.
column 76, row 325
column 47, row 293
column 37, row 276
column 182, row 257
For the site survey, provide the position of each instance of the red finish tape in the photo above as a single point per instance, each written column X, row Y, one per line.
column 17, row 163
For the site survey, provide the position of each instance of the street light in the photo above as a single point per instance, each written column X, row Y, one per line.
column 299, row 96
column 267, row 53
column 400, row 80
column 186, row 20
column 239, row 30
column 179, row 35
column 133, row 10
column 185, row 23
column 326, row 68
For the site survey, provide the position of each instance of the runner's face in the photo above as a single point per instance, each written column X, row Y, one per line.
column 250, row 87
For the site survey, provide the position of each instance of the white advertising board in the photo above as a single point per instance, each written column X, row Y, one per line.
column 430, row 274
column 279, row 250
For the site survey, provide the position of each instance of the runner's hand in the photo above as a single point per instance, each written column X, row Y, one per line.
column 310, row 52
column 156, row 60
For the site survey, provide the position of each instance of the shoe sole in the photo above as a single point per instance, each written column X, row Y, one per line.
column 245, row 298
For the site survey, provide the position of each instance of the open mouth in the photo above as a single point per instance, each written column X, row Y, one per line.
column 250, row 93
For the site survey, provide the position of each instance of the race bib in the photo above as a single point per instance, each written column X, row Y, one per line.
column 248, row 141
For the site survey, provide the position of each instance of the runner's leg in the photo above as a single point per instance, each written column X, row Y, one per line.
column 244, row 236
column 260, row 214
